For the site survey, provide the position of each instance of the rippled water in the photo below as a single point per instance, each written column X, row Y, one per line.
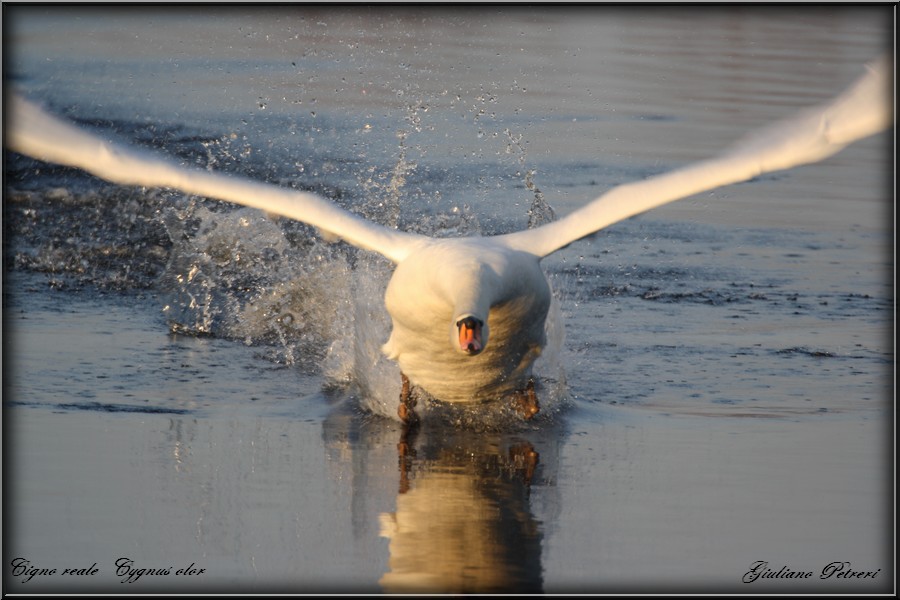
column 187, row 382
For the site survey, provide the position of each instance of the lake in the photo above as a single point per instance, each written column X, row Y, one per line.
column 194, row 400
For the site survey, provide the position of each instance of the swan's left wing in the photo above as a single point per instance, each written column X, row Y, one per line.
column 862, row 110
column 35, row 133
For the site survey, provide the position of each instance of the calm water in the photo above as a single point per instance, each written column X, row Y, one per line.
column 187, row 383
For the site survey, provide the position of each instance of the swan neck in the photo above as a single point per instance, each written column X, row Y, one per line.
column 474, row 300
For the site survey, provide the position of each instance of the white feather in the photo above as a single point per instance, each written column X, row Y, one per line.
column 32, row 131
column 809, row 136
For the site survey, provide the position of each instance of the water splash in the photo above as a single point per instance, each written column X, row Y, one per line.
column 384, row 191
column 234, row 274
column 274, row 285
column 354, row 357
column 540, row 211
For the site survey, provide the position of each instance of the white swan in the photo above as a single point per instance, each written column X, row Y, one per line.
column 468, row 314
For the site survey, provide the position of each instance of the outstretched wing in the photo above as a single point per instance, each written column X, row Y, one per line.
column 33, row 132
column 813, row 134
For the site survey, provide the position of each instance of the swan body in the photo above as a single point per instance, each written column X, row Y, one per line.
column 446, row 281
column 468, row 314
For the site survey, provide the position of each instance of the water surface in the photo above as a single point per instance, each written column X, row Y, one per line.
column 190, row 383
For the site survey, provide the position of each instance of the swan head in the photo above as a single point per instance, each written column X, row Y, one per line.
column 471, row 334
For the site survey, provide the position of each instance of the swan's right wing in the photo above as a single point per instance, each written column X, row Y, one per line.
column 35, row 133
column 862, row 110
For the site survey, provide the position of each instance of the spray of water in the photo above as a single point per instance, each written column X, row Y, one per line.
column 540, row 212
column 241, row 275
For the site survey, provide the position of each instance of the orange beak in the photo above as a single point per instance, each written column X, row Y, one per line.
column 470, row 335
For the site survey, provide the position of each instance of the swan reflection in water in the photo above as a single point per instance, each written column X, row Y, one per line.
column 463, row 521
